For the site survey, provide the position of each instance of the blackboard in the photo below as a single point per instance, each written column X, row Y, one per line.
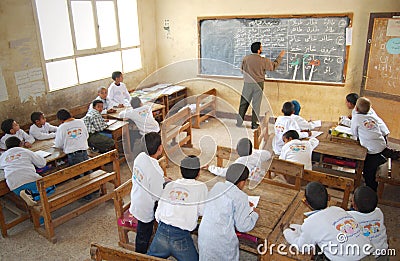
column 315, row 45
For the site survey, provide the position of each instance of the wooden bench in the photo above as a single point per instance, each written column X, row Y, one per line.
column 261, row 135
column 383, row 177
column 69, row 190
column 206, row 106
column 99, row 252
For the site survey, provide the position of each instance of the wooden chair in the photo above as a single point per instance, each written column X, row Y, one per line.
column 99, row 252
column 332, row 181
column 225, row 153
column 383, row 177
column 260, row 135
column 206, row 104
column 291, row 170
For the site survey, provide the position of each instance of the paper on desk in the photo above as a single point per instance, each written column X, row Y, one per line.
column 315, row 134
column 316, row 124
column 254, row 200
column 42, row 153
column 110, row 122
column 343, row 129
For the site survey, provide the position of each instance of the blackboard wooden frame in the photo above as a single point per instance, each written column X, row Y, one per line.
column 364, row 91
column 338, row 84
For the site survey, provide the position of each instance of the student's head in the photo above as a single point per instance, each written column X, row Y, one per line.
column 351, row 100
column 297, row 107
column 237, row 174
column 102, row 92
column 98, row 105
column 136, row 102
column 288, row 108
column 13, row 142
column 117, row 76
column 363, row 105
column 152, row 141
column 365, row 199
column 63, row 115
column 255, row 47
column 316, row 195
column 190, row 167
column 290, row 135
column 38, row 118
column 244, row 147
column 9, row 126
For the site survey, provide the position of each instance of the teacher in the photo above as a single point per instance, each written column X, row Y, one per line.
column 253, row 68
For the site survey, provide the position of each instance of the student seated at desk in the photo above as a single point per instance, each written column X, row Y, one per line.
column 227, row 209
column 296, row 150
column 372, row 135
column 370, row 217
column 178, row 212
column 252, row 159
column 283, row 124
column 117, row 92
column 40, row 129
column 142, row 116
column 95, row 125
column 11, row 129
column 19, row 169
column 303, row 124
column 107, row 105
column 323, row 227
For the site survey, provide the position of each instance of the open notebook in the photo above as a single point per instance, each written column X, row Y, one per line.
column 110, row 122
column 42, row 153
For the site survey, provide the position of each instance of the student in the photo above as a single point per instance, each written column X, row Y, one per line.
column 252, row 159
column 323, row 227
column 303, row 124
column 11, row 129
column 147, row 185
column 283, row 124
column 297, row 107
column 296, row 150
column 117, row 92
column 19, row 169
column 71, row 137
column 142, row 116
column 226, row 210
column 351, row 100
column 40, row 129
column 181, row 204
column 365, row 126
column 107, row 105
column 95, row 124
column 370, row 217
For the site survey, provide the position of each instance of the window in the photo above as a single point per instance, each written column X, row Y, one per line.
column 86, row 40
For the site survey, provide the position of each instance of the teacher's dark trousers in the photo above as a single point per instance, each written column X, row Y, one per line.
column 252, row 92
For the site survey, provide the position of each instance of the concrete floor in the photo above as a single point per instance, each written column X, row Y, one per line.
column 99, row 224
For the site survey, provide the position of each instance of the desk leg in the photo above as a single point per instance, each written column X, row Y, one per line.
column 2, row 222
column 359, row 170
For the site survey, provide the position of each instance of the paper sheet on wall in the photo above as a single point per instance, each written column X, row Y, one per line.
column 393, row 27
column 30, row 75
column 31, row 89
column 3, row 88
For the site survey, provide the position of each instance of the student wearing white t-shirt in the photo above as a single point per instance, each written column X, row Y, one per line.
column 370, row 217
column 117, row 92
column 147, row 185
column 19, row 169
column 107, row 105
column 40, row 129
column 11, row 129
column 303, row 124
column 283, row 124
column 326, row 227
column 181, row 204
column 252, row 159
column 296, row 150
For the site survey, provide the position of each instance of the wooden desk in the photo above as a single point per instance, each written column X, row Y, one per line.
column 116, row 129
column 157, row 109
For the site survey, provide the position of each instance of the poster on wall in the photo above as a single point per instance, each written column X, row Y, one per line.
column 3, row 88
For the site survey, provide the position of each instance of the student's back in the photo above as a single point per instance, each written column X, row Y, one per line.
column 282, row 125
column 299, row 151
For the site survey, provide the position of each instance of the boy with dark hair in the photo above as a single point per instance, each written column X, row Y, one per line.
column 324, row 226
column 370, row 217
column 181, row 204
column 102, row 96
column 19, row 169
column 372, row 135
column 147, row 185
column 297, row 150
column 95, row 125
column 11, row 129
column 227, row 209
column 40, row 129
column 252, row 159
column 71, row 137
column 283, row 124
column 117, row 92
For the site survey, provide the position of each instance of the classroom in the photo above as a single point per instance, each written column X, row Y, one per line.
column 165, row 40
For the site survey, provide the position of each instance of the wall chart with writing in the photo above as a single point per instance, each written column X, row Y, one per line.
column 315, row 46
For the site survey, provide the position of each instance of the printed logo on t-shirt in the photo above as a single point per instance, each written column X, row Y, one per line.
column 74, row 133
column 137, row 175
column 369, row 124
column 348, row 226
column 143, row 113
column 297, row 148
column 371, row 229
column 280, row 128
column 13, row 157
column 178, row 195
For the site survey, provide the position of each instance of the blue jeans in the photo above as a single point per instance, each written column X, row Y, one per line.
column 173, row 241
column 33, row 188
column 77, row 157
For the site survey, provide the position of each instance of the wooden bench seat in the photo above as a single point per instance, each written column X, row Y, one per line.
column 206, row 106
column 69, row 190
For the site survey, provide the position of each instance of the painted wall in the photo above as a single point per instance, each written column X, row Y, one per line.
column 19, row 51
column 318, row 102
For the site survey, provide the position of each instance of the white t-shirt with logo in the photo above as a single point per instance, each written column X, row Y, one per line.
column 299, row 151
column 282, row 125
column 72, row 136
